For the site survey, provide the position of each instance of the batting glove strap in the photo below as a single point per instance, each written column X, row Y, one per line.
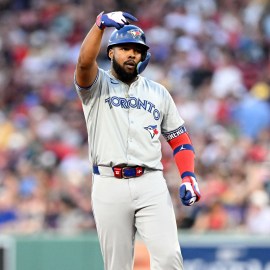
column 189, row 191
column 115, row 19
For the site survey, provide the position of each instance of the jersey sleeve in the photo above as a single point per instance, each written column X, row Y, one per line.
column 172, row 122
column 87, row 93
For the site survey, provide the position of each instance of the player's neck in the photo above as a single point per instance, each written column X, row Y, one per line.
column 127, row 81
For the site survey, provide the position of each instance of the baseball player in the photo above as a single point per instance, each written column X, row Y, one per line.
column 125, row 115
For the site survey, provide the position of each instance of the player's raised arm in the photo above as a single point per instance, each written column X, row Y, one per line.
column 86, row 68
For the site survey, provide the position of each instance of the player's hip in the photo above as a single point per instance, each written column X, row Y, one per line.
column 112, row 189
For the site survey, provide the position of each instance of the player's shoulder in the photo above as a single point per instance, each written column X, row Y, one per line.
column 105, row 78
column 150, row 81
column 103, row 72
column 108, row 78
column 154, row 85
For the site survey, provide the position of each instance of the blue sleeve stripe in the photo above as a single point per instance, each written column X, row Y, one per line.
column 187, row 173
column 183, row 147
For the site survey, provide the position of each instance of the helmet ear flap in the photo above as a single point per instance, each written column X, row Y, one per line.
column 143, row 63
column 144, row 53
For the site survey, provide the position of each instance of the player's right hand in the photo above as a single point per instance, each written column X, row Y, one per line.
column 189, row 191
column 115, row 19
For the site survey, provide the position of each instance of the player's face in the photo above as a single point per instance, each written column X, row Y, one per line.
column 124, row 61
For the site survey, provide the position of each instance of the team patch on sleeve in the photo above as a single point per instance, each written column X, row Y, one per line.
column 175, row 133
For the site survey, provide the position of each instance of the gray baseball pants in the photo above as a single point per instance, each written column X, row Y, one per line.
column 123, row 207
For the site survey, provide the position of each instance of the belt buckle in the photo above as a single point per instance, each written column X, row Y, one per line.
column 123, row 172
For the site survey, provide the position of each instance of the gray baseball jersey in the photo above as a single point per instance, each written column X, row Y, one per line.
column 125, row 122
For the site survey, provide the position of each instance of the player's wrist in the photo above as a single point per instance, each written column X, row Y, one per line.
column 189, row 190
column 188, row 179
column 99, row 22
column 188, row 175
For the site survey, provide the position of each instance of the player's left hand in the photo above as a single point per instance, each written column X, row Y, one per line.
column 189, row 191
column 115, row 19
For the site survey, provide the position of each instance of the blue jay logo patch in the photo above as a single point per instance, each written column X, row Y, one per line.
column 152, row 129
column 135, row 33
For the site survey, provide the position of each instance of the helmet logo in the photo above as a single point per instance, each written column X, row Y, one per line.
column 135, row 33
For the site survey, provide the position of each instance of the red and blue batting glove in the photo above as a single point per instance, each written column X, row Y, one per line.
column 115, row 19
column 189, row 191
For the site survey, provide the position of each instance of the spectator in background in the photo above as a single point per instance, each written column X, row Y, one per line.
column 227, row 77
column 71, row 218
column 258, row 213
column 252, row 114
column 214, row 218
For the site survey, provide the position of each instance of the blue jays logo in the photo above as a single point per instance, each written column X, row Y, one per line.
column 135, row 33
column 152, row 130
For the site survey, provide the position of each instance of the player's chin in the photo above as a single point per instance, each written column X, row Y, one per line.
column 131, row 73
column 130, row 69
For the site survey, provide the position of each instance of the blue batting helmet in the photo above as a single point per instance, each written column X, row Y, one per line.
column 127, row 34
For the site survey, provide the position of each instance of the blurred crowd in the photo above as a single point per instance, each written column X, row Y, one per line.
column 212, row 55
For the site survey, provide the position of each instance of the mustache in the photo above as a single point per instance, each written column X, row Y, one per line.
column 130, row 62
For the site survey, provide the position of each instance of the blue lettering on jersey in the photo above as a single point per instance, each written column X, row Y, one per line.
column 135, row 103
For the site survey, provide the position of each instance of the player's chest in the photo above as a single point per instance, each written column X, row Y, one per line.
column 126, row 97
column 133, row 101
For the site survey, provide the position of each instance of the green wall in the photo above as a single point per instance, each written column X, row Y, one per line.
column 82, row 252
column 53, row 252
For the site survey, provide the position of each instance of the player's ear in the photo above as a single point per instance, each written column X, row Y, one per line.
column 110, row 54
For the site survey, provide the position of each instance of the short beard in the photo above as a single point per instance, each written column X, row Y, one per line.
column 122, row 74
